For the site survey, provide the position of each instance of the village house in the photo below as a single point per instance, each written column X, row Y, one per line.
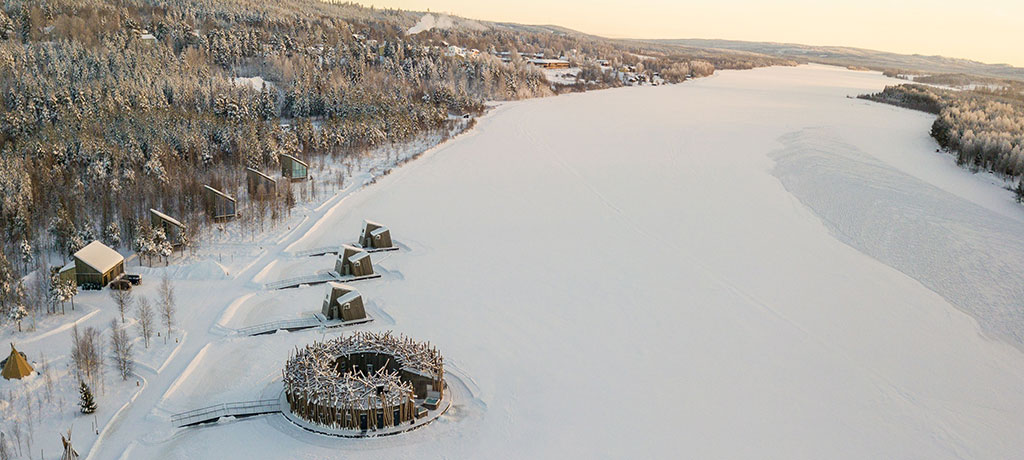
column 98, row 264
column 343, row 302
column 550, row 63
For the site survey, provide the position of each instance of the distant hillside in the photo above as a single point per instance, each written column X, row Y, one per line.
column 841, row 55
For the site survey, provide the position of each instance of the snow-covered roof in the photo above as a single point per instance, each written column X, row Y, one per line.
column 218, row 192
column 348, row 297
column 69, row 266
column 147, row 37
column 166, row 218
column 358, row 256
column 98, row 256
column 379, row 231
column 271, row 179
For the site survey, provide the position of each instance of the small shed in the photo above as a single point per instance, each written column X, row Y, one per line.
column 343, row 302
column 172, row 228
column 67, row 272
column 293, row 168
column 16, row 366
column 375, row 236
column 219, row 205
column 260, row 185
column 353, row 261
column 97, row 263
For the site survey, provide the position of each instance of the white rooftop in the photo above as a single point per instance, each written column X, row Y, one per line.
column 167, row 218
column 98, row 256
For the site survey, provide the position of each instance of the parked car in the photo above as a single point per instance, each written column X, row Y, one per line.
column 134, row 279
column 121, row 284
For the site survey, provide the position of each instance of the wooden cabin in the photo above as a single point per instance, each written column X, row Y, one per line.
column 260, row 185
column 353, row 261
column 219, row 205
column 173, row 229
column 293, row 168
column 375, row 236
column 97, row 263
column 343, row 302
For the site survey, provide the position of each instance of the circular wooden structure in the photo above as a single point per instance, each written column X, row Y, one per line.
column 364, row 381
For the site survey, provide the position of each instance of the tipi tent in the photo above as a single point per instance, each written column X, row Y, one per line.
column 69, row 452
column 16, row 367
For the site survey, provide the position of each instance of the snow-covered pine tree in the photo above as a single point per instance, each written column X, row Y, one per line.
column 18, row 313
column 85, row 400
column 1020, row 190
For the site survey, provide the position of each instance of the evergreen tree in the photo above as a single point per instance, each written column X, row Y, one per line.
column 85, row 400
column 1020, row 191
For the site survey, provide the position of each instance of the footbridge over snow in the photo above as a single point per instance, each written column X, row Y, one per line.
column 232, row 409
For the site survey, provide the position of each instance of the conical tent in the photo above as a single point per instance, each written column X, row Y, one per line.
column 69, row 452
column 16, row 366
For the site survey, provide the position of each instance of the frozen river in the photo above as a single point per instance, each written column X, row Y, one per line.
column 750, row 265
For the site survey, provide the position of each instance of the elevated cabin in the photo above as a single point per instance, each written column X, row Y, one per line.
column 219, row 205
column 293, row 168
column 97, row 263
column 353, row 261
column 260, row 185
column 375, row 236
column 16, row 366
column 343, row 302
column 171, row 227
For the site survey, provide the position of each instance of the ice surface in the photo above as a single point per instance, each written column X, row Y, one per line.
column 639, row 273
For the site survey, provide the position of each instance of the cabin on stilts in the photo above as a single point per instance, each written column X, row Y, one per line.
column 219, row 205
column 293, row 168
column 259, row 185
column 173, row 229
column 343, row 302
column 375, row 236
column 98, row 264
column 16, row 366
column 353, row 261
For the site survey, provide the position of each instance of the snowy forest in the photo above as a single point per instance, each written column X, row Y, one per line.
column 983, row 128
column 113, row 108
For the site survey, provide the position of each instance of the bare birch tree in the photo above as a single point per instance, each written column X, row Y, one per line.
column 144, row 316
column 121, row 345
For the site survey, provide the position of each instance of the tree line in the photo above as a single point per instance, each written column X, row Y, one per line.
column 982, row 128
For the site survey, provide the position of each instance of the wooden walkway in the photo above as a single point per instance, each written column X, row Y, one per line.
column 233, row 409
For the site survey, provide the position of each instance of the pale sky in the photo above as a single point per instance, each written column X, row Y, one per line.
column 984, row 30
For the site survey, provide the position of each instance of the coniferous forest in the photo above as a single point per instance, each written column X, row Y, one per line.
column 111, row 108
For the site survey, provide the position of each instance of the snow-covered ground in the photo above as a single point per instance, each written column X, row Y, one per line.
column 749, row 265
